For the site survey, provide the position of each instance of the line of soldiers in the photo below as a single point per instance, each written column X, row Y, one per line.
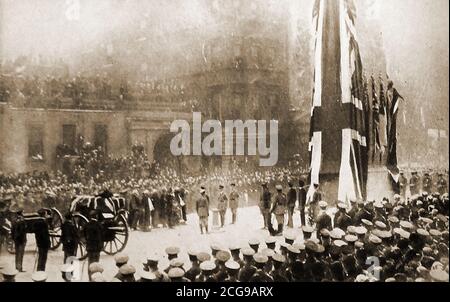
column 417, row 185
column 281, row 204
column 368, row 242
column 168, row 207
column 19, row 230
column 202, row 206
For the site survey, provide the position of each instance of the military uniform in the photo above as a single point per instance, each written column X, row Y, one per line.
column 302, row 204
column 314, row 204
column 260, row 275
column 94, row 240
column 279, row 209
column 234, row 203
column 291, row 199
column 264, row 205
column 324, row 221
column 342, row 220
column 42, row 236
column 69, row 238
column 222, row 206
column 202, row 207
column 427, row 183
column 19, row 236
column 414, row 184
column 248, row 270
column 441, row 185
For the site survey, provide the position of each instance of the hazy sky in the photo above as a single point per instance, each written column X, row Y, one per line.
column 415, row 31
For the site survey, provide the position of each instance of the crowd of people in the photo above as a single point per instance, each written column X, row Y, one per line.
column 382, row 241
column 407, row 237
column 48, row 89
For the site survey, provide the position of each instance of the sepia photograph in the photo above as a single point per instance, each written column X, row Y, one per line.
column 224, row 141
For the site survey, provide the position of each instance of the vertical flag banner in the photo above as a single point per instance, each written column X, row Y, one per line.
column 338, row 143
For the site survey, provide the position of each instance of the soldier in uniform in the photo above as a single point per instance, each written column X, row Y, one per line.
column 441, row 184
column 427, row 183
column 221, row 258
column 291, row 199
column 361, row 214
column 232, row 271
column 353, row 208
column 19, row 236
column 234, row 203
column 302, row 201
column 42, row 236
column 222, row 205
column 94, row 238
column 202, row 207
column 194, row 271
column 403, row 182
column 207, row 268
column 278, row 274
column 279, row 208
column 69, row 237
column 324, row 220
column 342, row 220
column 260, row 275
column 176, row 274
column 248, row 270
column 152, row 266
column 235, row 251
column 4, row 205
column 414, row 184
column 264, row 204
column 120, row 260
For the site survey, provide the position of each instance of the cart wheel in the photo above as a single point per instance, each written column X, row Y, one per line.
column 80, row 221
column 121, row 233
column 55, row 228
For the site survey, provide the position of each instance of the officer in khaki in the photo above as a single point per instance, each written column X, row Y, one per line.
column 234, row 203
column 222, row 204
column 202, row 207
column 279, row 207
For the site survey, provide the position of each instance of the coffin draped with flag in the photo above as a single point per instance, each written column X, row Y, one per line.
column 338, row 134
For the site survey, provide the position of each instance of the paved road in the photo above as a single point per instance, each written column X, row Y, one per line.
column 142, row 243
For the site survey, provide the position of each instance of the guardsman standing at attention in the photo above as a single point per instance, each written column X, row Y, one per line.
column 42, row 236
column 291, row 199
column 234, row 203
column 222, row 205
column 427, row 183
column 94, row 238
column 302, row 201
column 19, row 236
column 69, row 237
column 441, row 184
column 414, row 184
column 202, row 208
column 264, row 204
column 403, row 182
column 279, row 208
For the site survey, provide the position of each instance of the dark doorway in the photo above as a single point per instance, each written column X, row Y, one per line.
column 101, row 137
column 69, row 135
